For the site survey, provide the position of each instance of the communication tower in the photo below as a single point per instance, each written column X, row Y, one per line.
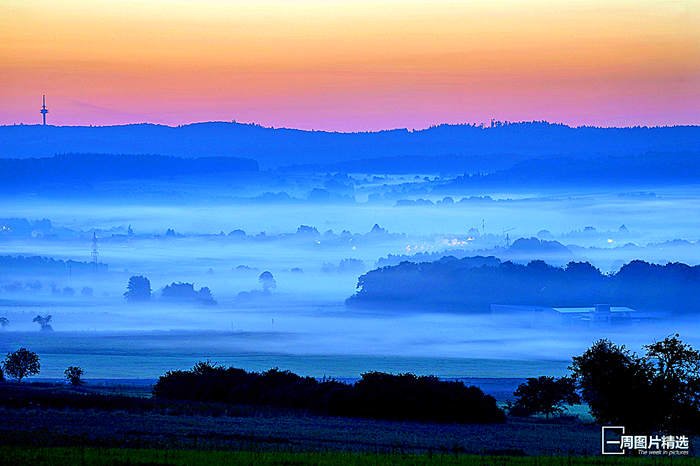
column 94, row 252
column 44, row 111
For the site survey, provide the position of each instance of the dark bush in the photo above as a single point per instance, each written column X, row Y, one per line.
column 409, row 397
column 376, row 395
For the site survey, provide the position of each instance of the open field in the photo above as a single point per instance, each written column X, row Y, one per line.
column 48, row 415
column 300, row 433
column 40, row 416
column 111, row 456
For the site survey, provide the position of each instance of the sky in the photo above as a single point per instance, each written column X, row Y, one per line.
column 350, row 65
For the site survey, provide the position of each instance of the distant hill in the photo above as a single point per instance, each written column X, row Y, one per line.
column 80, row 170
column 412, row 164
column 521, row 249
column 607, row 170
column 535, row 245
column 12, row 266
column 281, row 147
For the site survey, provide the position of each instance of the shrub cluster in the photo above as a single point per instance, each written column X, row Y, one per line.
column 376, row 395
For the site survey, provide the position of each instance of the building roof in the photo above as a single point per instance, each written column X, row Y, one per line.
column 590, row 310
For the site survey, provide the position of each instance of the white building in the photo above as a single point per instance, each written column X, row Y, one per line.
column 598, row 313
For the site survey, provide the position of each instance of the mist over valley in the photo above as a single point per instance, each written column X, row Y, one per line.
column 203, row 236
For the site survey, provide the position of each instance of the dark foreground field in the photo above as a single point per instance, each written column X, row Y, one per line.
column 45, row 424
column 116, row 456
column 290, row 433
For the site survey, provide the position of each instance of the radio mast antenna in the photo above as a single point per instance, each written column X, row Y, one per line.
column 94, row 253
column 44, row 111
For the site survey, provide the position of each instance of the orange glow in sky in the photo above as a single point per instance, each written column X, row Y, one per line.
column 350, row 65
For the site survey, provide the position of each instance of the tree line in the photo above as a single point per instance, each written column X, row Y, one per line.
column 656, row 391
column 81, row 170
column 473, row 284
column 376, row 395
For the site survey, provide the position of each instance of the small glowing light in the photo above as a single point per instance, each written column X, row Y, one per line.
column 453, row 242
column 610, row 240
column 354, row 247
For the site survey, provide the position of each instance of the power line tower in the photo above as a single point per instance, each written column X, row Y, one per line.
column 94, row 252
column 505, row 232
column 44, row 111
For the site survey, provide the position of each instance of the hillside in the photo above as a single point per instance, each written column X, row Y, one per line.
column 273, row 147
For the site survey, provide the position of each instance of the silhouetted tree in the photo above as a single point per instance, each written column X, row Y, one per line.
column 22, row 363
column 204, row 295
column 545, row 395
column 34, row 285
column 676, row 380
column 344, row 266
column 73, row 375
column 616, row 385
column 659, row 391
column 14, row 287
column 46, row 265
column 138, row 289
column 267, row 281
column 43, row 321
column 186, row 292
column 206, row 367
column 305, row 230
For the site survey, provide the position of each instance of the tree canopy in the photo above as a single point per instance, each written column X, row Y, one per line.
column 659, row 390
column 545, row 395
column 22, row 363
column 138, row 289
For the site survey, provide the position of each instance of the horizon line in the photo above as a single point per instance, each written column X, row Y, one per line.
column 481, row 125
